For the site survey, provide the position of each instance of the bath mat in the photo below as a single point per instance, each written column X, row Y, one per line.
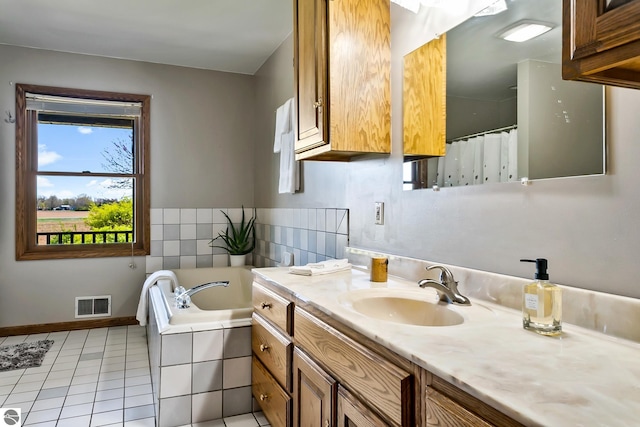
column 25, row 355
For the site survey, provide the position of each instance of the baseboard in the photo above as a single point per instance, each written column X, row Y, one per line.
column 67, row 326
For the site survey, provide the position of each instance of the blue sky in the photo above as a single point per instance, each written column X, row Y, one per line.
column 67, row 148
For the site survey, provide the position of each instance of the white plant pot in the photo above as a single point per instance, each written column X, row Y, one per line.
column 237, row 260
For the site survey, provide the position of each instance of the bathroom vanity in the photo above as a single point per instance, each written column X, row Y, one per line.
column 320, row 358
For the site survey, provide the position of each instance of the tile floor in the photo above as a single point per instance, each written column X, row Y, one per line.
column 90, row 378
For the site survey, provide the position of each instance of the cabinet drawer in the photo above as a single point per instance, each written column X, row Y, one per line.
column 273, row 307
column 273, row 400
column 377, row 381
column 273, row 349
column 444, row 412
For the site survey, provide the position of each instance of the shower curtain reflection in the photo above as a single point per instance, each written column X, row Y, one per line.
column 478, row 159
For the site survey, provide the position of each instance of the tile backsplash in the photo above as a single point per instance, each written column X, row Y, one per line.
column 180, row 237
column 311, row 235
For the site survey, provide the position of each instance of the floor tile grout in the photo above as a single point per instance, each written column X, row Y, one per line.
column 87, row 379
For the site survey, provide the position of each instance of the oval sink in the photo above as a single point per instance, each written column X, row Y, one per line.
column 415, row 307
column 407, row 311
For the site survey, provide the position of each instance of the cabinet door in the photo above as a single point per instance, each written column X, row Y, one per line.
column 444, row 412
column 314, row 393
column 424, row 100
column 601, row 45
column 310, row 72
column 353, row 413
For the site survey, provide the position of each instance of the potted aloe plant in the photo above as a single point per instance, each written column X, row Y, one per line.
column 239, row 239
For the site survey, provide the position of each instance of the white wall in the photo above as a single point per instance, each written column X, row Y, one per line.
column 588, row 228
column 201, row 156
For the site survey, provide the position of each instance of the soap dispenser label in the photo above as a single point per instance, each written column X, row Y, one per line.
column 531, row 301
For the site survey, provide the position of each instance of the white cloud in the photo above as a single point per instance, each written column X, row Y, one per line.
column 47, row 157
column 43, row 182
column 92, row 183
column 85, row 130
column 111, row 193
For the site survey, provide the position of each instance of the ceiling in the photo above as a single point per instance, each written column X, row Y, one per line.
column 482, row 66
column 226, row 35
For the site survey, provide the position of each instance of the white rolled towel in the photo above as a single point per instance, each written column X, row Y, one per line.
column 143, row 305
column 324, row 267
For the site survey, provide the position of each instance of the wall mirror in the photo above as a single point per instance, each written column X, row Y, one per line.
column 509, row 114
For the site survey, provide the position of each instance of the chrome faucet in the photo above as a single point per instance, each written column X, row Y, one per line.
column 183, row 297
column 447, row 287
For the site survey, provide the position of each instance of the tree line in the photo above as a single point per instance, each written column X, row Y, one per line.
column 82, row 202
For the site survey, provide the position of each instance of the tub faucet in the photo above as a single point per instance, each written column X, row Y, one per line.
column 447, row 287
column 183, row 299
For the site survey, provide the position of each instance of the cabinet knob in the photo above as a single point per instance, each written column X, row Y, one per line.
column 318, row 103
column 264, row 347
column 327, row 423
column 265, row 305
column 264, row 397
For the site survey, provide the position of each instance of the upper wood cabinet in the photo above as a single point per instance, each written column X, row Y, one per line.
column 342, row 60
column 424, row 100
column 601, row 43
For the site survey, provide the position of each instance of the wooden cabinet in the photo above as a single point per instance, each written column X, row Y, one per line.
column 445, row 405
column 424, row 100
column 272, row 352
column 444, row 412
column 273, row 307
column 342, row 64
column 601, row 44
column 352, row 413
column 378, row 382
column 314, row 393
column 273, row 400
column 311, row 370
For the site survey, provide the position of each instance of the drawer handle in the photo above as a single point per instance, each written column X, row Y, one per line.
column 327, row 423
column 264, row 397
column 265, row 305
column 264, row 347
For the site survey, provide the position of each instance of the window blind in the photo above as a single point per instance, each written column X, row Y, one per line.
column 59, row 104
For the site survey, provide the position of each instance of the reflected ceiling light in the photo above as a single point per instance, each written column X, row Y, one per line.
column 493, row 9
column 522, row 31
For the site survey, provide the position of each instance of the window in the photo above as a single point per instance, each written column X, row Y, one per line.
column 82, row 173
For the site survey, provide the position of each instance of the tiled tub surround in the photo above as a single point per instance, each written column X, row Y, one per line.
column 311, row 235
column 581, row 378
column 180, row 236
column 200, row 373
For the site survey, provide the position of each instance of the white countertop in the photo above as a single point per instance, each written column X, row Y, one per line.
column 582, row 378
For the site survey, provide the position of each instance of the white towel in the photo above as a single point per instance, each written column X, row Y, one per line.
column 284, row 143
column 143, row 308
column 324, row 267
column 284, row 123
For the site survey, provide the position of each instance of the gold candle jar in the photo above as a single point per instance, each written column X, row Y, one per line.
column 379, row 269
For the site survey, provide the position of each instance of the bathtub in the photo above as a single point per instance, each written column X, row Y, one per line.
column 200, row 356
column 210, row 305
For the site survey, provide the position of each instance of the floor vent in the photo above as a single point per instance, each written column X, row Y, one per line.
column 98, row 306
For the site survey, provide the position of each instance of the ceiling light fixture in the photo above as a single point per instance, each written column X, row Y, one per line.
column 522, row 31
column 493, row 9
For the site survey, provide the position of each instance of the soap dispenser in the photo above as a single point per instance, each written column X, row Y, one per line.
column 542, row 302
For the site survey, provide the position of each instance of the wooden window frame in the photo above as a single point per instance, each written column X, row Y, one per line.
column 26, row 188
